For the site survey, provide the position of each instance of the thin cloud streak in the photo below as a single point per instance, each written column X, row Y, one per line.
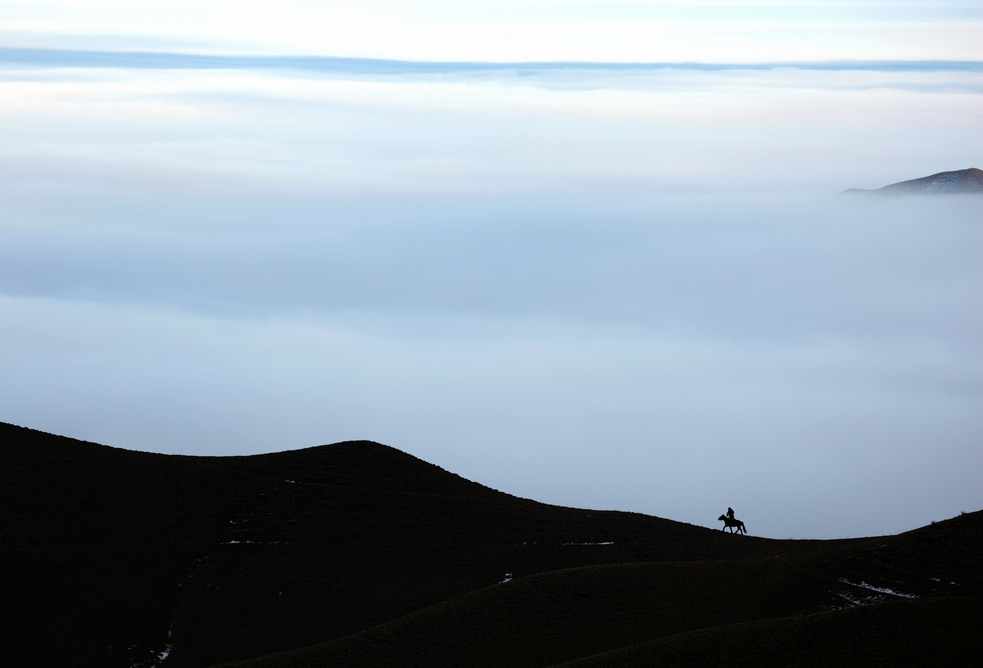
column 369, row 66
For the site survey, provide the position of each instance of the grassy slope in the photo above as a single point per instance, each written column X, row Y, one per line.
column 359, row 550
column 790, row 609
column 562, row 615
column 922, row 632
column 94, row 543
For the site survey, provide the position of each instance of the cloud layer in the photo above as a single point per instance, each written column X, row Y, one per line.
column 605, row 288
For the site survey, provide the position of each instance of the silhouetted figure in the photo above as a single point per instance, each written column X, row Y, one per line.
column 732, row 522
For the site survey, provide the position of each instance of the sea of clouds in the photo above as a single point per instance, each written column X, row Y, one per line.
column 627, row 288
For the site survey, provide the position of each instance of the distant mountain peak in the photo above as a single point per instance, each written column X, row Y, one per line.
column 958, row 182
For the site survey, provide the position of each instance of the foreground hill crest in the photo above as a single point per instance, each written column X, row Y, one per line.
column 358, row 554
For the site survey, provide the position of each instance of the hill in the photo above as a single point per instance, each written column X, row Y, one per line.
column 959, row 182
column 358, row 554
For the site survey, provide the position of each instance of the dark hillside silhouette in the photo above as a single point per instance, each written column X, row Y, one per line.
column 358, row 554
column 959, row 182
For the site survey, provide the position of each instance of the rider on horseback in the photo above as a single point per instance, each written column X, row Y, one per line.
column 731, row 522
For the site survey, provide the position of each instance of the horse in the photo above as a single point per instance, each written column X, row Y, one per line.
column 732, row 523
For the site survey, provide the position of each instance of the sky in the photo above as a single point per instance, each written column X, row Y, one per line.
column 585, row 253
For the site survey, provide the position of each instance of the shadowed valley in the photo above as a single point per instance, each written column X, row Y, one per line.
column 356, row 554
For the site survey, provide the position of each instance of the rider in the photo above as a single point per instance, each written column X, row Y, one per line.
column 730, row 512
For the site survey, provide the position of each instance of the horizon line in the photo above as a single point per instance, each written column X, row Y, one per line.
column 86, row 58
